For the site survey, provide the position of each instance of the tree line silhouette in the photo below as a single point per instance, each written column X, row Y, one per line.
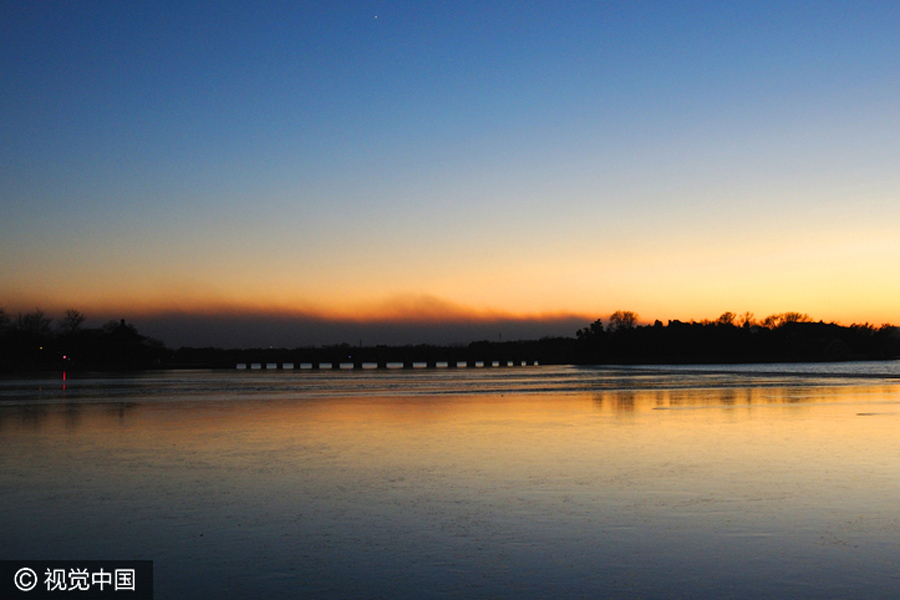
column 784, row 337
column 33, row 341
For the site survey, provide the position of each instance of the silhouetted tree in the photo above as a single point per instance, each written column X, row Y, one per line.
column 591, row 332
column 777, row 320
column 726, row 318
column 622, row 320
column 71, row 322
column 35, row 323
column 795, row 317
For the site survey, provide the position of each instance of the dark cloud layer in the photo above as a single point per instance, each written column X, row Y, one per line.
column 250, row 331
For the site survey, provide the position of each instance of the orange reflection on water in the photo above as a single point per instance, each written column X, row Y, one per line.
column 573, row 434
column 747, row 485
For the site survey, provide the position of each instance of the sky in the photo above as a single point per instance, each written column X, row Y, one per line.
column 304, row 173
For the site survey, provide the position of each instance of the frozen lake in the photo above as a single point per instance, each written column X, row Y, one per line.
column 547, row 482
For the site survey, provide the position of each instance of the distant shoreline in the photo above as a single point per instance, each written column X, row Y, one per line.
column 794, row 338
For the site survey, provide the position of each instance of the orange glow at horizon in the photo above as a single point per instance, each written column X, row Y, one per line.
column 847, row 280
column 430, row 310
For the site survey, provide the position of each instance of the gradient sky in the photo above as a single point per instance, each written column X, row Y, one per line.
column 343, row 163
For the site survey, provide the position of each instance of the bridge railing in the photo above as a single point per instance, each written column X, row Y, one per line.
column 350, row 365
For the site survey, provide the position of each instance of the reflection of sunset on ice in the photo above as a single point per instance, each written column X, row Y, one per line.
column 549, row 481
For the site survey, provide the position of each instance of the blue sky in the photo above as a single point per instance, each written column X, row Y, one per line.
column 397, row 162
